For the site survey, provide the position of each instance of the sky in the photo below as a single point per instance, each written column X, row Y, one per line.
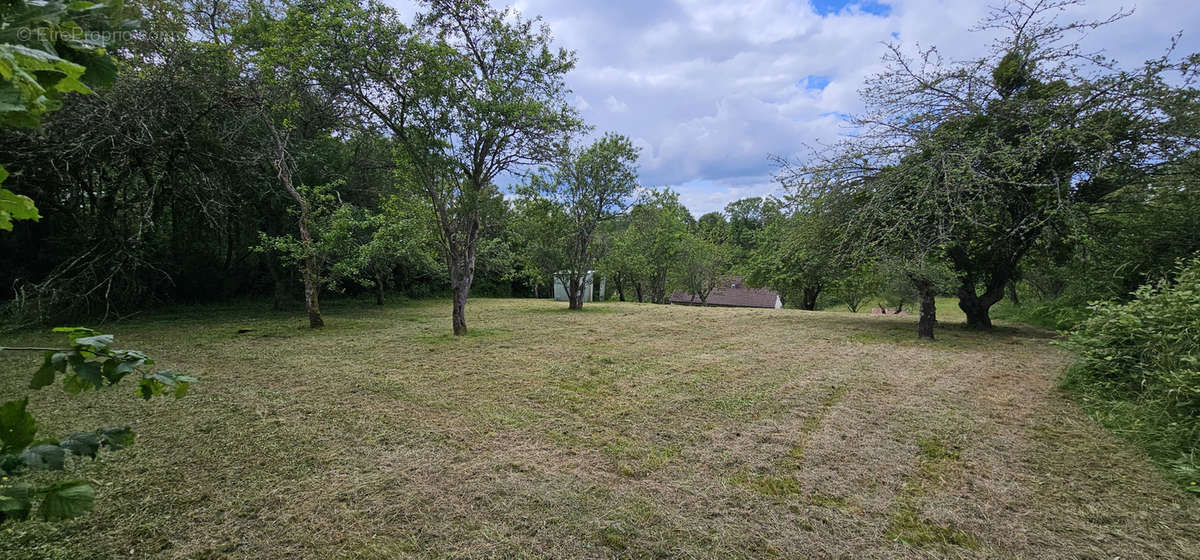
column 711, row 89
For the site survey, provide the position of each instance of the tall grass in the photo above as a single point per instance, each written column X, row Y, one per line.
column 1138, row 371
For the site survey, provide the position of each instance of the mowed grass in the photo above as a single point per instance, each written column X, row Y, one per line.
column 623, row 431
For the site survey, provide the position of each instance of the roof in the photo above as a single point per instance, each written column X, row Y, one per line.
column 733, row 293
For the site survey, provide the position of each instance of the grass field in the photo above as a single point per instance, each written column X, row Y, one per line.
column 624, row 430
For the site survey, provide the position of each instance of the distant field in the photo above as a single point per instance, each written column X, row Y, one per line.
column 624, row 430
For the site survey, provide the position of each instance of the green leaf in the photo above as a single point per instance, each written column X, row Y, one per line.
column 160, row 382
column 85, row 370
column 14, row 206
column 54, row 362
column 17, row 427
column 45, row 457
column 66, row 500
column 116, row 438
column 15, row 501
column 97, row 343
column 73, row 384
column 82, row 444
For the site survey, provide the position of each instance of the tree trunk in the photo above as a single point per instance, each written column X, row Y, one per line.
column 928, row 311
column 312, row 289
column 976, row 307
column 378, row 289
column 535, row 291
column 620, row 288
column 809, row 302
column 638, row 287
column 1012, row 293
column 575, row 292
column 459, row 314
column 312, row 282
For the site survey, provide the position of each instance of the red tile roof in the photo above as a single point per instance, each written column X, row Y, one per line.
column 733, row 293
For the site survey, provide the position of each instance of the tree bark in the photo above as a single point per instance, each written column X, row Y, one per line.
column 809, row 302
column 378, row 289
column 928, row 310
column 312, row 281
column 575, row 292
column 976, row 306
column 638, row 288
column 459, row 313
column 462, row 272
column 1012, row 293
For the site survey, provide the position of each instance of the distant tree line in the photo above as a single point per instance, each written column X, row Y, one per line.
column 291, row 149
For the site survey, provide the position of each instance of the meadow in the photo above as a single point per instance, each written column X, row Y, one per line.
column 620, row 431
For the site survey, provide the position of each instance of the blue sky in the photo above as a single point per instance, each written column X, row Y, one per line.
column 709, row 89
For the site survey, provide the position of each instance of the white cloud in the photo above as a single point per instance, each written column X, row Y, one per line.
column 615, row 105
column 710, row 88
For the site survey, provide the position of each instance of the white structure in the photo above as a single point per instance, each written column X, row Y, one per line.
column 562, row 280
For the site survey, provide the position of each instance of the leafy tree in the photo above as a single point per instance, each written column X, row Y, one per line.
column 659, row 227
column 539, row 227
column 747, row 218
column 713, row 227
column 1001, row 147
column 624, row 262
column 591, row 185
column 795, row 256
column 857, row 285
column 468, row 93
column 702, row 266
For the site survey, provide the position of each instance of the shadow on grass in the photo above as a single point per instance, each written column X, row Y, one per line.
column 560, row 307
column 451, row 338
column 875, row 329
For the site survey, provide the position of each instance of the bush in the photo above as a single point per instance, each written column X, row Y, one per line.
column 1138, row 370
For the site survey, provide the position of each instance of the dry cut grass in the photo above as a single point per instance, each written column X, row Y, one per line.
column 623, row 431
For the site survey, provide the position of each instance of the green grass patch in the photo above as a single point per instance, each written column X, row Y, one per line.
column 907, row 526
column 769, row 485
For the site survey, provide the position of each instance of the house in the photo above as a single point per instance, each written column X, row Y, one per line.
column 733, row 293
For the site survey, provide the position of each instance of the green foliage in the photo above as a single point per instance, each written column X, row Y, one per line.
column 586, row 187
column 48, row 49
column 702, row 266
column 1138, row 367
column 88, row 363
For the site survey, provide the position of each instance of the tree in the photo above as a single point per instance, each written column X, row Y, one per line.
column 1001, row 147
column 702, row 266
column 747, row 218
column 858, row 284
column 659, row 226
column 591, row 186
column 468, row 93
column 538, row 228
column 713, row 227
column 794, row 255
column 624, row 262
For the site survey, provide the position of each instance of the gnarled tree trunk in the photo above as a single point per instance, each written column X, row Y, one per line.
column 977, row 306
column 312, row 280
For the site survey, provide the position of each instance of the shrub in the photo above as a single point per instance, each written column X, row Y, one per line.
column 1138, row 369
